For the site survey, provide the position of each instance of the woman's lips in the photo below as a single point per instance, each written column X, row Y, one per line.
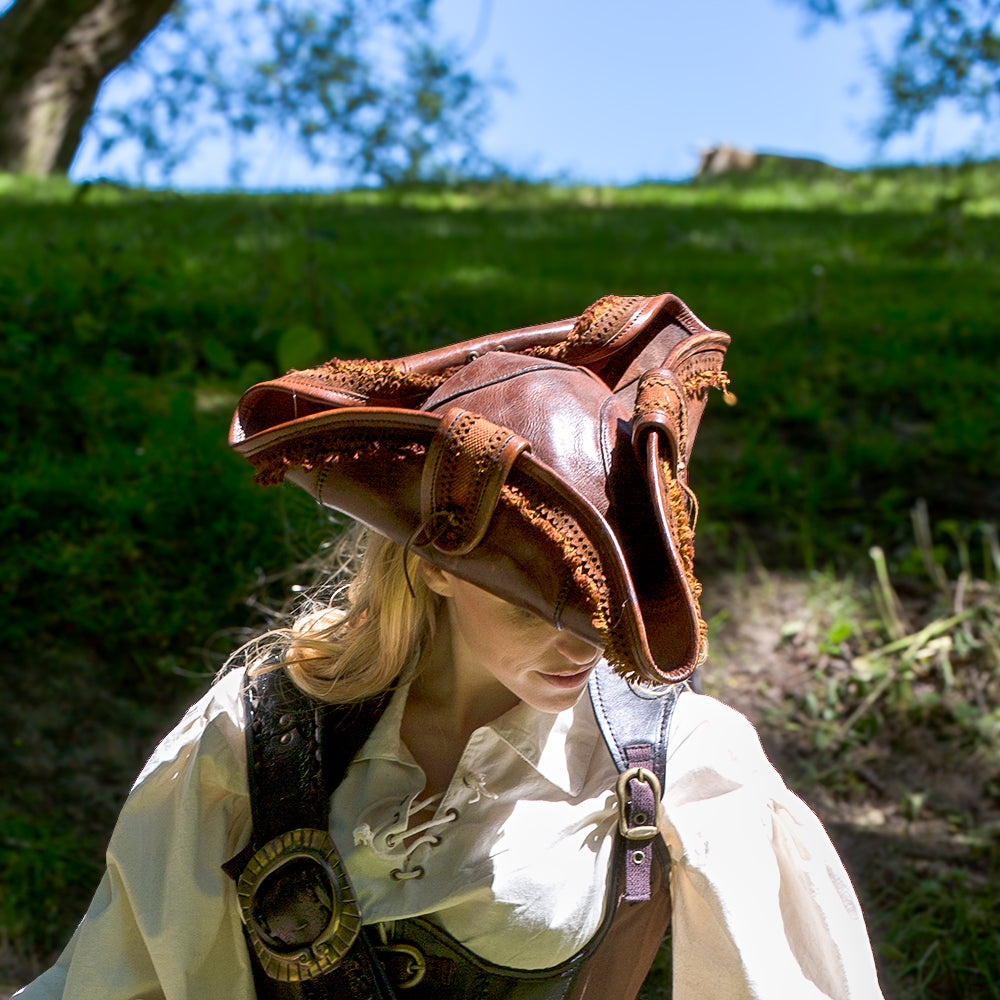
column 568, row 680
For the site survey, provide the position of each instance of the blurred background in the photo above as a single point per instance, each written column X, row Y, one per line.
column 563, row 91
column 198, row 196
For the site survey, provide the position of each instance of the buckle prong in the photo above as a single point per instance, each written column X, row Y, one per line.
column 640, row 831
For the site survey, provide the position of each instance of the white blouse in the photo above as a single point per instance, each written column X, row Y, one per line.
column 512, row 860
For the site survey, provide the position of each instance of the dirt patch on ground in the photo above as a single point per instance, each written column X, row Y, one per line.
column 772, row 658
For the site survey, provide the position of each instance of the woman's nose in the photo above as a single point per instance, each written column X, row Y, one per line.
column 575, row 649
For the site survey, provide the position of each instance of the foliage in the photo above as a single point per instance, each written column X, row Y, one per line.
column 946, row 50
column 943, row 670
column 39, row 865
column 366, row 86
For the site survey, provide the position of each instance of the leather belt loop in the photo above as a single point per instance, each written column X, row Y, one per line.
column 467, row 464
column 661, row 405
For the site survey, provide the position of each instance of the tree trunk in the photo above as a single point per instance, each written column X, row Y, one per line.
column 54, row 55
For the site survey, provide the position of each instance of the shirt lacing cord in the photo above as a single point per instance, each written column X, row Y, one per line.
column 387, row 839
column 477, row 783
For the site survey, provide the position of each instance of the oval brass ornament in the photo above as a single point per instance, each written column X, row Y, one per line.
column 298, row 906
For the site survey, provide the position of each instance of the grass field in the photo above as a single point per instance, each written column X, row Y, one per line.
column 137, row 551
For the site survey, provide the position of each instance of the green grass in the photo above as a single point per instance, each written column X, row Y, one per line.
column 942, row 933
column 137, row 549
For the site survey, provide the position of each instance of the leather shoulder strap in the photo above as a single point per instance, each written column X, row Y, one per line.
column 631, row 714
column 635, row 723
column 298, row 750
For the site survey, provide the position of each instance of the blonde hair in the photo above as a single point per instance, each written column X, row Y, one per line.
column 364, row 629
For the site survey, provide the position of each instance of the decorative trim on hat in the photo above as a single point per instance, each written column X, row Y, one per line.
column 678, row 499
column 379, row 380
column 581, row 561
column 325, row 449
column 467, row 465
column 696, row 384
column 596, row 326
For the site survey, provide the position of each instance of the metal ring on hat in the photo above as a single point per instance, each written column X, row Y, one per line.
column 302, row 930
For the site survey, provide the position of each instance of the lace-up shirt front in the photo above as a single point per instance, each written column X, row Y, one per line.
column 511, row 860
column 527, row 815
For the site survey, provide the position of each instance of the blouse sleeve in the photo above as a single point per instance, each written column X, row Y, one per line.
column 763, row 907
column 164, row 922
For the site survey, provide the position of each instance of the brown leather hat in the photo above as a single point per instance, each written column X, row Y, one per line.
column 547, row 465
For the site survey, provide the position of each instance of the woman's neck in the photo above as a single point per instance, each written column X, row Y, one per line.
column 449, row 699
column 459, row 692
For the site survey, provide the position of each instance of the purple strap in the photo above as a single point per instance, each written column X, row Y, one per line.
column 641, row 812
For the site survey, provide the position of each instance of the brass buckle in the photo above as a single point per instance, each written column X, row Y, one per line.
column 642, row 831
column 332, row 897
column 416, row 969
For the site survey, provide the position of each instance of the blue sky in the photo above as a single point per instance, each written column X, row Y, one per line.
column 615, row 91
column 635, row 93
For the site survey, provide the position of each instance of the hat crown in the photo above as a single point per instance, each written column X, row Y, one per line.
column 570, row 417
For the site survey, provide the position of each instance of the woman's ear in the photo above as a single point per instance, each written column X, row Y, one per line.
column 438, row 580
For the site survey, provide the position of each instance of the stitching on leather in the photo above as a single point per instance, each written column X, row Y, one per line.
column 595, row 327
column 295, row 378
column 599, row 686
column 666, row 714
column 497, row 449
column 607, row 444
column 475, row 387
column 660, row 392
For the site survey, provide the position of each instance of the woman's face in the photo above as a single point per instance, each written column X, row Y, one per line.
column 536, row 662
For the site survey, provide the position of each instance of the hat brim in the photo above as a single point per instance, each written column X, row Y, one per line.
column 548, row 549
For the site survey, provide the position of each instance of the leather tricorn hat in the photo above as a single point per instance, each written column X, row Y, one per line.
column 547, row 465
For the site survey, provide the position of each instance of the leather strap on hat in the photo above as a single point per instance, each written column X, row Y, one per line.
column 466, row 466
